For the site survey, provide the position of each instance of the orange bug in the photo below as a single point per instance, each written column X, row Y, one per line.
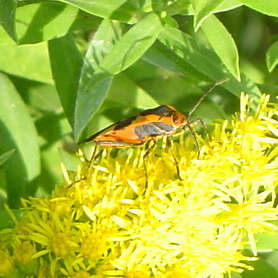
column 163, row 120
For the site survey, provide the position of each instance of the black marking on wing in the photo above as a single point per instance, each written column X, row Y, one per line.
column 162, row 110
column 162, row 126
column 124, row 123
column 143, row 131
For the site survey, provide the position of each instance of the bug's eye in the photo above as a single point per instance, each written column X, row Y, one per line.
column 175, row 118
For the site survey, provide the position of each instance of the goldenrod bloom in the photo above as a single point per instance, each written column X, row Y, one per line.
column 172, row 213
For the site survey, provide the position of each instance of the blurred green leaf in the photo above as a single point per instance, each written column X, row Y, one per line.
column 205, row 61
column 7, row 16
column 261, row 270
column 5, row 219
column 5, row 156
column 269, row 7
column 44, row 21
column 53, row 130
column 66, row 63
column 120, row 9
column 17, row 131
column 127, row 93
column 202, row 9
column 266, row 240
column 70, row 161
column 132, row 45
column 28, row 61
column 222, row 43
column 235, row 275
column 45, row 98
column 272, row 56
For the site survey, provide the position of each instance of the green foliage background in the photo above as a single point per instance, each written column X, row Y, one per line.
column 71, row 67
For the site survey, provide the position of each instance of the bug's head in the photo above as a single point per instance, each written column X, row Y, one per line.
column 177, row 119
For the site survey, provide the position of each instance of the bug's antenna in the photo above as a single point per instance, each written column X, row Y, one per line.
column 204, row 95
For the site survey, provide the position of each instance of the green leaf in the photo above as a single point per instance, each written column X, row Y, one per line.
column 235, row 275
column 96, row 74
column 44, row 97
column 228, row 5
column 28, row 61
column 127, row 93
column 7, row 16
column 269, row 7
column 160, row 56
column 132, row 45
column 261, row 270
column 159, row 5
column 202, row 9
column 222, row 43
column 66, row 63
column 5, row 156
column 266, row 240
column 120, row 9
column 5, row 218
column 94, row 86
column 17, row 131
column 178, row 7
column 90, row 97
column 224, row 6
column 204, row 61
column 70, row 161
column 44, row 21
column 272, row 56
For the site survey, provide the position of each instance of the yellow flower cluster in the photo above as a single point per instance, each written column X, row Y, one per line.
column 168, row 210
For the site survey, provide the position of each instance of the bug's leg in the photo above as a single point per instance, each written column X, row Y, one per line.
column 195, row 137
column 204, row 125
column 149, row 149
column 169, row 144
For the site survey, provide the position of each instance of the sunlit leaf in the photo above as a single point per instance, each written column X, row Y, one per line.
column 132, row 45
column 17, row 131
column 272, row 56
column 120, row 9
column 28, row 61
column 224, row 6
column 222, row 43
column 44, row 21
column 202, row 9
column 178, row 7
